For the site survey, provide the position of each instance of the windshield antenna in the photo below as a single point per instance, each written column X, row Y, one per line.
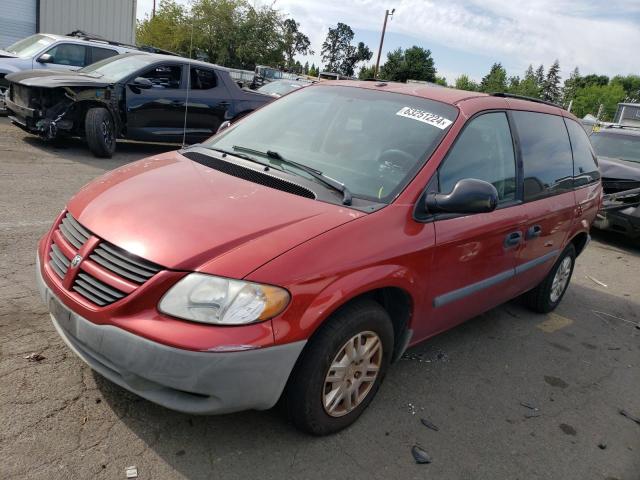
column 186, row 103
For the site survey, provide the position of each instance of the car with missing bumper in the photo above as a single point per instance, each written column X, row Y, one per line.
column 618, row 150
column 277, row 261
column 135, row 96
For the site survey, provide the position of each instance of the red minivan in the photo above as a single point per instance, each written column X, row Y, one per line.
column 299, row 252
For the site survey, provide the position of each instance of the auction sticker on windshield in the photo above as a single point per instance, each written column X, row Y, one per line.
column 425, row 117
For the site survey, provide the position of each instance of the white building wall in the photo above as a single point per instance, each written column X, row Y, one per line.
column 17, row 20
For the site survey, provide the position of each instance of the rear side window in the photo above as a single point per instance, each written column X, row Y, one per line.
column 546, row 154
column 164, row 76
column 98, row 53
column 483, row 151
column 585, row 165
column 202, row 79
column 70, row 54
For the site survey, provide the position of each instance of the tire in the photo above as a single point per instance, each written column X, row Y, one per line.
column 307, row 393
column 100, row 132
column 546, row 297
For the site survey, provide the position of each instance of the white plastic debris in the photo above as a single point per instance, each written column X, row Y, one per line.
column 131, row 472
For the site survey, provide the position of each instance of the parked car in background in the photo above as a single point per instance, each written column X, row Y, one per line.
column 299, row 258
column 133, row 96
column 282, row 87
column 57, row 52
column 618, row 150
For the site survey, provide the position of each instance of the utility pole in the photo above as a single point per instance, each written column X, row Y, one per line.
column 154, row 9
column 384, row 28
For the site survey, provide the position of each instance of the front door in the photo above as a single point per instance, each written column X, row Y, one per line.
column 156, row 114
column 64, row 56
column 475, row 255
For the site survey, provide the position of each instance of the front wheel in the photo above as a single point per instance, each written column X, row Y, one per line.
column 547, row 295
column 341, row 369
column 100, row 132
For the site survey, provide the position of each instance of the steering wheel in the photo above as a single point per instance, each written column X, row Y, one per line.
column 395, row 159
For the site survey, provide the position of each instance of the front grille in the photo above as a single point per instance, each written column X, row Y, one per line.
column 19, row 95
column 250, row 174
column 123, row 263
column 107, row 271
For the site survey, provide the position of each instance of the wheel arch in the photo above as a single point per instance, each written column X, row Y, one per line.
column 580, row 241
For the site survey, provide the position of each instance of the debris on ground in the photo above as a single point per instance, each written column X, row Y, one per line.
column 596, row 281
column 624, row 413
column 35, row 357
column 429, row 424
column 131, row 472
column 599, row 314
column 439, row 356
column 602, row 445
column 411, row 408
column 532, row 414
column 420, row 455
column 530, row 406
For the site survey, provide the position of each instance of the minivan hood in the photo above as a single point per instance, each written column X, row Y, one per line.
column 56, row 78
column 186, row 216
column 5, row 54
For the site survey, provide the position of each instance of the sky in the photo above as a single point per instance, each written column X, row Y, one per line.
column 467, row 36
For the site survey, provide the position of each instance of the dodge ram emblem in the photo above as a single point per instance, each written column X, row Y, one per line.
column 76, row 261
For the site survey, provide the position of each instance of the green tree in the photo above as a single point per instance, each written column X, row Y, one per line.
column 414, row 63
column 366, row 72
column 441, row 81
column 588, row 100
column 514, row 84
column 463, row 82
column 551, row 85
column 294, row 41
column 313, row 70
column 528, row 86
column 335, row 46
column 495, row 81
column 169, row 29
column 570, row 86
column 631, row 85
column 305, row 69
column 593, row 79
column 352, row 56
column 539, row 75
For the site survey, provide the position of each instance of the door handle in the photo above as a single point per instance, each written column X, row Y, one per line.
column 224, row 104
column 533, row 232
column 512, row 239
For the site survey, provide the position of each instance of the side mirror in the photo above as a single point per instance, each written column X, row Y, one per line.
column 468, row 196
column 141, row 82
column 223, row 126
column 45, row 58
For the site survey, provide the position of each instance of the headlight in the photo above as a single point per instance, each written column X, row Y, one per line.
column 223, row 301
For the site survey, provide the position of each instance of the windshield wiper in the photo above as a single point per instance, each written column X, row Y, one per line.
column 240, row 155
column 317, row 174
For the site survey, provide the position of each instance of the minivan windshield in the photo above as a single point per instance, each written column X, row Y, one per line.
column 625, row 147
column 118, row 67
column 27, row 47
column 371, row 141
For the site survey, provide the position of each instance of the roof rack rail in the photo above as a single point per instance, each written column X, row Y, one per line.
column 97, row 38
column 524, row 97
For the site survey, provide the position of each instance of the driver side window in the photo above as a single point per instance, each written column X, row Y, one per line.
column 484, row 151
column 70, row 54
column 164, row 76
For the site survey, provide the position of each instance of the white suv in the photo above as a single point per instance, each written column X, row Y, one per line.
column 45, row 51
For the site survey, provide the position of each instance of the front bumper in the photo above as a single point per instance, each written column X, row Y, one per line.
column 625, row 221
column 183, row 380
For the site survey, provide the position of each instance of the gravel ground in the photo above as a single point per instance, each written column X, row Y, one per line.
column 577, row 366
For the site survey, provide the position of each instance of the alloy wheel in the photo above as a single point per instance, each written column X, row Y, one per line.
column 352, row 374
column 561, row 279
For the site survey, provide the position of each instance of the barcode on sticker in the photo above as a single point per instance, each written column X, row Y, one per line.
column 425, row 117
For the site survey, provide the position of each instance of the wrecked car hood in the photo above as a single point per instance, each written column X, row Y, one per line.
column 55, row 79
column 619, row 169
column 5, row 54
column 186, row 216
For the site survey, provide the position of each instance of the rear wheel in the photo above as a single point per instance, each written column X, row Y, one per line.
column 548, row 294
column 341, row 369
column 100, row 132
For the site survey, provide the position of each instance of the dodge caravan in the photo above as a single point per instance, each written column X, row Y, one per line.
column 300, row 251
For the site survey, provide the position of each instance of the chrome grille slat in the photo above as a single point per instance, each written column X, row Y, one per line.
column 127, row 258
column 123, row 263
column 114, row 268
column 79, row 228
column 56, row 268
column 69, row 236
column 116, row 294
column 56, row 251
column 88, row 295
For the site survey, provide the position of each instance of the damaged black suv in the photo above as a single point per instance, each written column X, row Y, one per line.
column 135, row 96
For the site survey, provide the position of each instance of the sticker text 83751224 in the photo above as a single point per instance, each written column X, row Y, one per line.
column 425, row 117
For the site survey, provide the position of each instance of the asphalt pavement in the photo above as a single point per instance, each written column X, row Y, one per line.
column 514, row 395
